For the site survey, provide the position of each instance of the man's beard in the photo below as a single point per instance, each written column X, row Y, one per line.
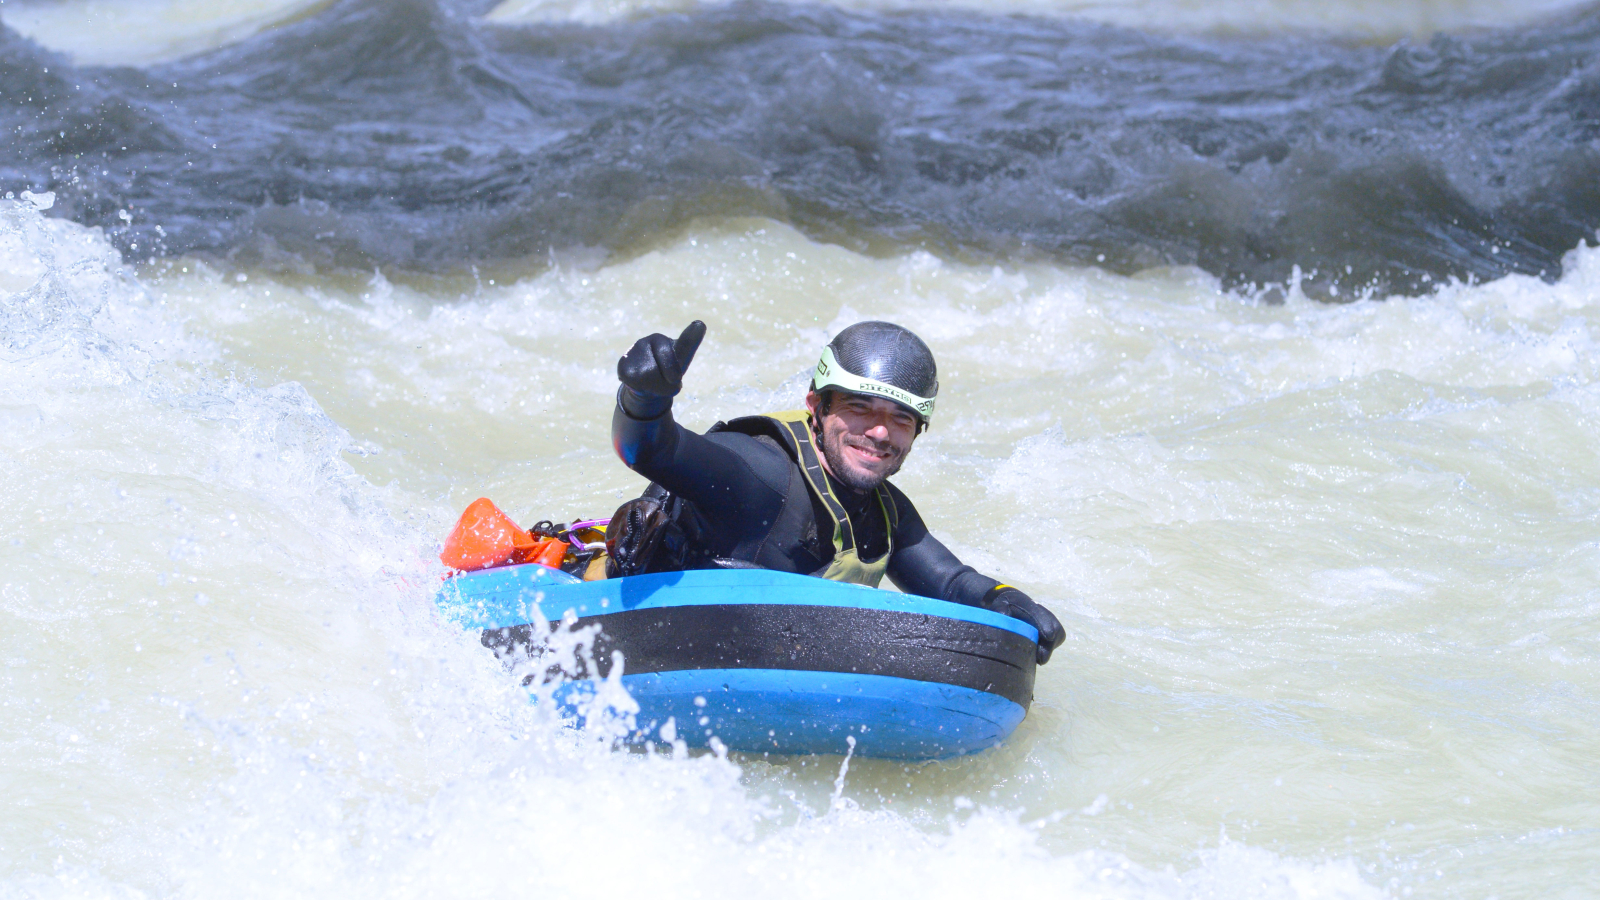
column 833, row 452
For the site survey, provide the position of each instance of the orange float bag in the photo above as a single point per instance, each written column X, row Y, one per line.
column 485, row 537
column 549, row 552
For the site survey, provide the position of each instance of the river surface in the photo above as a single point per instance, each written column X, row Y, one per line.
column 1268, row 346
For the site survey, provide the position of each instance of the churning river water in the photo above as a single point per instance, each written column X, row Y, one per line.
column 1268, row 339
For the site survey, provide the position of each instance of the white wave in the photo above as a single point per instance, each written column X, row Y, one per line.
column 221, row 646
column 223, row 673
column 1369, row 19
column 142, row 32
column 139, row 32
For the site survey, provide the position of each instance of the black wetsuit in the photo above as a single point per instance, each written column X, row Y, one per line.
column 759, row 509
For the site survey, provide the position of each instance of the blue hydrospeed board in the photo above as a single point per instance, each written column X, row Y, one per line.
column 771, row 662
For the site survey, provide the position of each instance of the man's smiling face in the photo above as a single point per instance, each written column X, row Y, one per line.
column 864, row 439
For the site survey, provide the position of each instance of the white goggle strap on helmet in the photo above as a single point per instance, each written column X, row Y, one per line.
column 830, row 374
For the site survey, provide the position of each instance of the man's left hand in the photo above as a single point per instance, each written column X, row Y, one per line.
column 1009, row 601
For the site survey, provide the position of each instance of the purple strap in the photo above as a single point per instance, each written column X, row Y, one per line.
column 578, row 526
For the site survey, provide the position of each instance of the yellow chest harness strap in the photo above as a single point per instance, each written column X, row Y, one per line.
column 847, row 564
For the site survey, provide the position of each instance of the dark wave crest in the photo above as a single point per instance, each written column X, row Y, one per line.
column 411, row 134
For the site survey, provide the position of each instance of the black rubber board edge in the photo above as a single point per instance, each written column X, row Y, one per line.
column 800, row 638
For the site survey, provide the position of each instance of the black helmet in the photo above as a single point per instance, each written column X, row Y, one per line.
column 880, row 359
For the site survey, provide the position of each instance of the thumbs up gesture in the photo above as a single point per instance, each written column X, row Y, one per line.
column 652, row 370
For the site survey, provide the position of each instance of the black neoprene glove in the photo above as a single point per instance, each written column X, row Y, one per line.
column 1009, row 601
column 652, row 371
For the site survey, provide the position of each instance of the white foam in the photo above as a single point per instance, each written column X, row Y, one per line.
column 135, row 32
column 1369, row 19
column 140, row 32
column 1170, row 467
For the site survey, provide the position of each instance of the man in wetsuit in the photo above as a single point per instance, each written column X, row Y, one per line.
column 807, row 491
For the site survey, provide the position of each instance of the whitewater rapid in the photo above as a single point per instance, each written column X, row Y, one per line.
column 1327, row 572
column 141, row 32
column 285, row 285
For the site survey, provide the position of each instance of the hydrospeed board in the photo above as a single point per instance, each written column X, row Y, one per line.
column 773, row 662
